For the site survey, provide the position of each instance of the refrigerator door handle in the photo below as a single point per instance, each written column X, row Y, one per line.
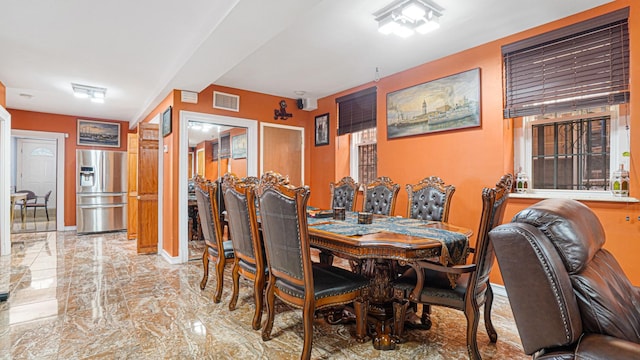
column 100, row 206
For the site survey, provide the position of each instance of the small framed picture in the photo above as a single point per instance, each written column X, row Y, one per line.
column 322, row 129
column 239, row 146
column 166, row 122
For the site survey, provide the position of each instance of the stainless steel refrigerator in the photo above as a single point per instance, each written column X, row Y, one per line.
column 101, row 191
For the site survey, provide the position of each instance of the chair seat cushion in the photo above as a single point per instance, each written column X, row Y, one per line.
column 228, row 249
column 327, row 281
column 437, row 288
column 251, row 268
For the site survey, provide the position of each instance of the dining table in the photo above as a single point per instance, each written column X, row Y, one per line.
column 15, row 198
column 380, row 251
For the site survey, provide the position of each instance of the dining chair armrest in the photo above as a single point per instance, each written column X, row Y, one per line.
column 420, row 266
column 455, row 269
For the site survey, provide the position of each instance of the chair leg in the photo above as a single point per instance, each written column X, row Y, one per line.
column 307, row 322
column 205, row 267
column 472, row 314
column 426, row 317
column 235, row 276
column 491, row 331
column 270, row 297
column 258, row 290
column 219, row 277
column 46, row 211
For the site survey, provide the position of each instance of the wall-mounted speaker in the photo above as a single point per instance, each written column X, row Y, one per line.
column 308, row 104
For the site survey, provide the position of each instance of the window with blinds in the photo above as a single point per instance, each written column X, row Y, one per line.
column 225, row 146
column 579, row 66
column 357, row 111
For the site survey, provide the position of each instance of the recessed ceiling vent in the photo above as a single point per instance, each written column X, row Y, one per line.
column 226, row 101
column 189, row 97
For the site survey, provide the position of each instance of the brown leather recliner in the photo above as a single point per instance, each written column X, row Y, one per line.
column 569, row 296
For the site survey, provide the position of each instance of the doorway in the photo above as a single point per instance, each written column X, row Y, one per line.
column 226, row 163
column 286, row 151
column 37, row 160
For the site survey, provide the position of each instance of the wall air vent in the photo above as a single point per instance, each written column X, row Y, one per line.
column 226, row 101
column 189, row 97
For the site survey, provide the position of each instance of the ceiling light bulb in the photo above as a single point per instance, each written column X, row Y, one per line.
column 428, row 25
column 387, row 25
column 403, row 31
column 414, row 11
column 98, row 95
column 80, row 95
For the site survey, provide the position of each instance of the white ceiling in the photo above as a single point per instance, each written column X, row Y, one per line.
column 140, row 50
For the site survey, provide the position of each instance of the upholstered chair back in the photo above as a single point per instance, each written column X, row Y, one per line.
column 211, row 229
column 240, row 199
column 380, row 196
column 430, row 199
column 344, row 193
column 284, row 229
column 494, row 202
column 552, row 262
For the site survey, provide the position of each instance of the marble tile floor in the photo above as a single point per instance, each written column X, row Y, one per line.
column 93, row 297
column 31, row 224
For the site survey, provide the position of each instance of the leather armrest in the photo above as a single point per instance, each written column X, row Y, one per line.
column 596, row 346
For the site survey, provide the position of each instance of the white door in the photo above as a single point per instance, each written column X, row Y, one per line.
column 36, row 167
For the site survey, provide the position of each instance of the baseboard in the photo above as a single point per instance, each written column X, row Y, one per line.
column 173, row 260
column 499, row 290
column 70, row 228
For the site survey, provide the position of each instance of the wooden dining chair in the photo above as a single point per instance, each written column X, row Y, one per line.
column 293, row 278
column 216, row 249
column 380, row 196
column 430, row 284
column 429, row 199
column 344, row 193
column 249, row 261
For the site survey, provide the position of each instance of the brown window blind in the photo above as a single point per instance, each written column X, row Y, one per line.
column 582, row 65
column 357, row 111
column 225, row 146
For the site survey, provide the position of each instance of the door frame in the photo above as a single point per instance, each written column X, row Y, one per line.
column 5, row 180
column 290, row 127
column 60, row 147
column 183, row 196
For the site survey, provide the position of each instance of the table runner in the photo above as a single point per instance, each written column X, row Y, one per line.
column 455, row 245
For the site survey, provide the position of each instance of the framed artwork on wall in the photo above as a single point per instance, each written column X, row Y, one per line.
column 98, row 133
column 449, row 103
column 166, row 122
column 239, row 146
column 322, row 129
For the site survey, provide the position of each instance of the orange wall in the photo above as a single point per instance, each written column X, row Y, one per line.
column 37, row 121
column 476, row 157
column 3, row 95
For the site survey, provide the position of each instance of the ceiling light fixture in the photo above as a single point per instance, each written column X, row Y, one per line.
column 96, row 94
column 404, row 17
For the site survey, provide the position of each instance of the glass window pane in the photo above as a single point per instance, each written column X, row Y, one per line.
column 571, row 155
